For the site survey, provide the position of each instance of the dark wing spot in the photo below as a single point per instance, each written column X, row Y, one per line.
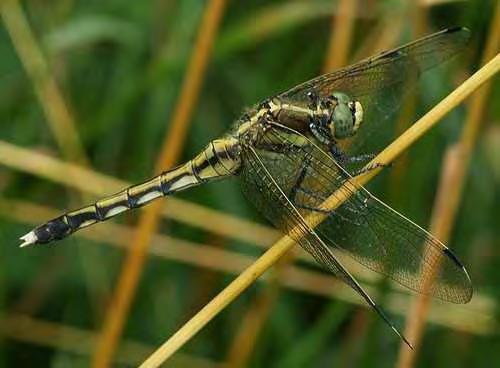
column 453, row 257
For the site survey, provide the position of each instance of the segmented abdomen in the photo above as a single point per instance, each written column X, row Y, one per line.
column 219, row 159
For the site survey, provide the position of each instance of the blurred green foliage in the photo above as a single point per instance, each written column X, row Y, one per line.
column 120, row 66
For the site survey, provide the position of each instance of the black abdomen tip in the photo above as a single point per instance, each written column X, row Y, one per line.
column 53, row 230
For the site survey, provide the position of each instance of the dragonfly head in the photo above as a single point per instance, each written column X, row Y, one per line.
column 346, row 117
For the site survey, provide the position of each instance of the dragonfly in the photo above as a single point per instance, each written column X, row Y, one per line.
column 287, row 151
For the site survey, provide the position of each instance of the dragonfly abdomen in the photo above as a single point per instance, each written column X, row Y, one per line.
column 219, row 159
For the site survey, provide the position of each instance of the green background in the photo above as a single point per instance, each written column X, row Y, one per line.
column 120, row 66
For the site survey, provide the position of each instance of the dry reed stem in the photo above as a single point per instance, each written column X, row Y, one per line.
column 271, row 256
column 254, row 319
column 150, row 217
column 450, row 192
column 56, row 111
column 418, row 311
column 341, row 35
column 383, row 36
column 207, row 281
column 190, row 90
column 419, row 27
column 477, row 317
column 354, row 337
column 435, row 2
column 60, row 121
column 41, row 286
column 251, row 325
column 23, row 328
column 400, row 167
column 386, row 34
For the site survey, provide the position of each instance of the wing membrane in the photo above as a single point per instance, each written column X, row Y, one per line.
column 262, row 189
column 389, row 68
column 362, row 227
column 380, row 82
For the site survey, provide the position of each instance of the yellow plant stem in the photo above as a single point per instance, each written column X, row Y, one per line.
column 341, row 35
column 65, row 338
column 56, row 109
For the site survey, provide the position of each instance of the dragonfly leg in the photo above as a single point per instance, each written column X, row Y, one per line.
column 362, row 158
column 300, row 178
column 369, row 168
column 339, row 155
column 343, row 159
column 297, row 187
column 329, row 212
column 317, row 197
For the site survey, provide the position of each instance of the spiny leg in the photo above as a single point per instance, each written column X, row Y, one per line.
column 297, row 188
column 320, row 198
column 300, row 179
column 343, row 159
column 369, row 168
column 345, row 205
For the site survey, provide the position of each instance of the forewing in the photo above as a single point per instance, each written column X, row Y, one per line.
column 362, row 227
column 380, row 82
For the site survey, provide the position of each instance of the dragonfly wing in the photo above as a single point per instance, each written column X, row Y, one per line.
column 362, row 227
column 263, row 190
column 380, row 82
